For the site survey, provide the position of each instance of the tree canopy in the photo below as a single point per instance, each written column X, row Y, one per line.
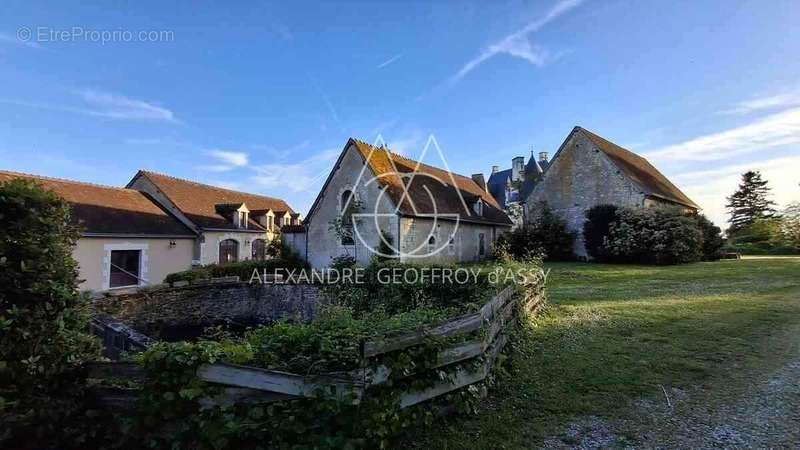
column 750, row 202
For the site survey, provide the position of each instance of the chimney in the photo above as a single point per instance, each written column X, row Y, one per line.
column 478, row 179
column 495, row 169
column 543, row 156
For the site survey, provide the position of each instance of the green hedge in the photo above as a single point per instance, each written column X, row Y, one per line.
column 650, row 236
column 243, row 269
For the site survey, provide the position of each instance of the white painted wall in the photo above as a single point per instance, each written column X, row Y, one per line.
column 157, row 261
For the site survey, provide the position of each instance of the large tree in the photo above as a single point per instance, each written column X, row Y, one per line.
column 43, row 320
column 750, row 202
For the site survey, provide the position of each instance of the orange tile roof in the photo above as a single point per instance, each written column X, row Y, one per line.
column 198, row 201
column 432, row 189
column 640, row 170
column 108, row 210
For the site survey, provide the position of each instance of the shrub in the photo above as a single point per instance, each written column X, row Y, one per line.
column 654, row 236
column 596, row 229
column 766, row 236
column 42, row 320
column 242, row 269
column 712, row 239
column 374, row 294
column 546, row 234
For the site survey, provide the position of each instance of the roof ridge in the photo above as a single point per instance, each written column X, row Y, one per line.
column 66, row 180
column 184, row 180
column 398, row 155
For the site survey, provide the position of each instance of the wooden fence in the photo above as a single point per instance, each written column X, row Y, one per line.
column 486, row 332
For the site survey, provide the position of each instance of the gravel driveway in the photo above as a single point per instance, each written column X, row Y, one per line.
column 763, row 413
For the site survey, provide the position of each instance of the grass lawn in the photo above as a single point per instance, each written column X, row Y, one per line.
column 615, row 334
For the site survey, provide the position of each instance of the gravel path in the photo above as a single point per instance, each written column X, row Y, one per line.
column 764, row 413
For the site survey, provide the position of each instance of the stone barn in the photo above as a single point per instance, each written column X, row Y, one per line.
column 588, row 170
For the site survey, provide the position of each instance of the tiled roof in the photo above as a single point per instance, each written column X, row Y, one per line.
column 443, row 198
column 640, row 170
column 198, row 201
column 109, row 210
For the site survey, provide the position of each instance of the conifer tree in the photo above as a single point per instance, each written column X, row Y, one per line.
column 750, row 202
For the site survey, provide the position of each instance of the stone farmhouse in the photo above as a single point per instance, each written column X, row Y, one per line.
column 511, row 186
column 419, row 212
column 157, row 225
column 588, row 170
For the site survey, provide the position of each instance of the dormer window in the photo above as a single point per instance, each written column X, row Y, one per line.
column 478, row 207
column 270, row 222
column 242, row 219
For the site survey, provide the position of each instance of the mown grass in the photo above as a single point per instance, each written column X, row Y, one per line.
column 613, row 334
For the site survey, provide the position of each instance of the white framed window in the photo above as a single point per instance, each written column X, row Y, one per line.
column 431, row 244
column 124, row 265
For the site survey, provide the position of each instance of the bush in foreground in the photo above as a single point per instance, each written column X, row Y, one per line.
column 242, row 269
column 650, row 236
column 43, row 338
column 546, row 234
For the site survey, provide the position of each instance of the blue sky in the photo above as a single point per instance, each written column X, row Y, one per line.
column 262, row 97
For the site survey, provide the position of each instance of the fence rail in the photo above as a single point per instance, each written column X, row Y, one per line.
column 244, row 384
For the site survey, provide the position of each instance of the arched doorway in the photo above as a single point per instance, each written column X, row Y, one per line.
column 228, row 251
column 259, row 249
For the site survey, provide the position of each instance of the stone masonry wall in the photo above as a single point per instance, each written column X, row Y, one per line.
column 581, row 176
column 187, row 306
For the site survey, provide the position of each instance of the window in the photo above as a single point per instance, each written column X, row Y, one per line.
column 270, row 222
column 242, row 219
column 259, row 249
column 286, row 220
column 481, row 244
column 228, row 251
column 431, row 244
column 124, row 270
column 478, row 207
column 345, row 207
column 451, row 244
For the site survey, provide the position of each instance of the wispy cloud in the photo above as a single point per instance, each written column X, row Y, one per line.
column 518, row 44
column 710, row 187
column 775, row 130
column 407, row 143
column 227, row 160
column 783, row 100
column 14, row 40
column 389, row 61
column 120, row 107
column 299, row 176
column 104, row 104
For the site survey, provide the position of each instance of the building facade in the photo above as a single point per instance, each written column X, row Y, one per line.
column 230, row 225
column 375, row 201
column 589, row 170
column 127, row 241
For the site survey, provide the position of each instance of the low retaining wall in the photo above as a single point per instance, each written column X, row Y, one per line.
column 489, row 327
column 155, row 312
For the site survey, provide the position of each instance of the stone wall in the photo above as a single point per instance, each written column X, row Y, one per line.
column 156, row 313
column 579, row 177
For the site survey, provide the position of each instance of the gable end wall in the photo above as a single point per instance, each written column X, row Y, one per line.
column 580, row 177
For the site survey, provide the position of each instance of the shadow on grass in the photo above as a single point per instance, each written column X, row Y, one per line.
column 595, row 358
